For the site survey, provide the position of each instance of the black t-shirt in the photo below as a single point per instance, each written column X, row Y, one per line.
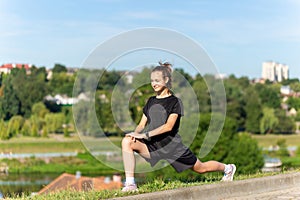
column 157, row 112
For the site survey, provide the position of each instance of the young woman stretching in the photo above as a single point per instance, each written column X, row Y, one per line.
column 156, row 136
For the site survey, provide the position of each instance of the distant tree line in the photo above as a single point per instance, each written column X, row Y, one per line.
column 257, row 108
column 251, row 108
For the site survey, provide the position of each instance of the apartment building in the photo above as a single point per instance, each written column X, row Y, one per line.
column 274, row 71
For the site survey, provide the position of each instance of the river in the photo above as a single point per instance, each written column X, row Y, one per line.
column 26, row 184
column 18, row 184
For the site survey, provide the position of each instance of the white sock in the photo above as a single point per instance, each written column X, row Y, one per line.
column 227, row 168
column 130, row 180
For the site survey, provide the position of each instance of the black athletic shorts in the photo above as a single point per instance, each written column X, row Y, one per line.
column 175, row 152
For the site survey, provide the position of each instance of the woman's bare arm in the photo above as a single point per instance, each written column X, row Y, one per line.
column 168, row 126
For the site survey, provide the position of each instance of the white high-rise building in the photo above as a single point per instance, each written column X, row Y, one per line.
column 275, row 71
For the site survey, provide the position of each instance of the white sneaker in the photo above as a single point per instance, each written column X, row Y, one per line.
column 229, row 175
column 130, row 188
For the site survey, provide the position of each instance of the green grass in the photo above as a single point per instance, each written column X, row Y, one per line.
column 41, row 145
column 291, row 161
column 271, row 139
column 84, row 162
column 55, row 143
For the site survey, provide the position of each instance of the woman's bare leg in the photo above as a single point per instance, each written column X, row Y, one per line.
column 129, row 146
column 209, row 166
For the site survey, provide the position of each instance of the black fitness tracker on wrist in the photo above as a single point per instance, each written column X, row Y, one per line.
column 147, row 135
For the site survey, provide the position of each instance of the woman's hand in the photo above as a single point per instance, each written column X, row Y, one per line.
column 135, row 135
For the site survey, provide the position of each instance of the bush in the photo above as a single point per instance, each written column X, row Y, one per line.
column 283, row 152
column 246, row 154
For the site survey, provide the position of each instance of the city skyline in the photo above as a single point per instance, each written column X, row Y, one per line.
column 238, row 36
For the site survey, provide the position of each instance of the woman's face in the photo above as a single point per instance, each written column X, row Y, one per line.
column 158, row 82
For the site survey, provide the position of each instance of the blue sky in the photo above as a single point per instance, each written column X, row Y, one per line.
column 237, row 35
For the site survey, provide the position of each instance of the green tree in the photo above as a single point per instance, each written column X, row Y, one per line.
column 253, row 110
column 243, row 82
column 26, row 128
column 295, row 86
column 93, row 125
column 268, row 121
column 294, row 103
column 236, row 100
column 104, row 112
column 22, row 83
column 67, row 111
column 283, row 152
column 216, row 93
column 298, row 151
column 223, row 146
column 286, row 124
column 297, row 118
column 54, row 122
column 58, row 68
column 45, row 131
column 15, row 125
column 87, row 81
column 183, row 81
column 246, row 154
column 80, row 111
column 119, row 107
column 231, row 147
column 201, row 133
column 269, row 95
column 66, row 131
column 61, row 83
column 290, row 81
column 188, row 123
column 142, row 79
column 201, row 91
column 39, row 109
column 34, row 129
column 4, row 134
column 9, row 101
column 138, row 100
column 109, row 79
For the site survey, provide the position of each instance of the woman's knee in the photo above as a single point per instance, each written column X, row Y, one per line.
column 199, row 167
column 126, row 142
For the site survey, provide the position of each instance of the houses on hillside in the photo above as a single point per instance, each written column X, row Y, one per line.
column 6, row 68
column 286, row 92
column 64, row 100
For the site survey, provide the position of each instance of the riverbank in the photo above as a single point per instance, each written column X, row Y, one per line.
column 55, row 154
column 87, row 164
column 83, row 162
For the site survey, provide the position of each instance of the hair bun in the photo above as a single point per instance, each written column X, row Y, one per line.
column 166, row 64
